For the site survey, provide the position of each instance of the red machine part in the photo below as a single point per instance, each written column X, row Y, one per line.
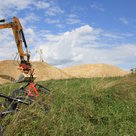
column 32, row 86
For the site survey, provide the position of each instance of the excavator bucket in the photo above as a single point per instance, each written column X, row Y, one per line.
column 24, row 78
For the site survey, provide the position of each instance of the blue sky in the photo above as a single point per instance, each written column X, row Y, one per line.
column 74, row 32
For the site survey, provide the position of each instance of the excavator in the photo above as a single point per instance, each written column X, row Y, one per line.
column 24, row 94
column 24, row 65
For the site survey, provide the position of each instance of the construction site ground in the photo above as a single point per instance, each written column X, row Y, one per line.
column 44, row 71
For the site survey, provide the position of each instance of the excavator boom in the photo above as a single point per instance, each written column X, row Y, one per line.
column 19, row 37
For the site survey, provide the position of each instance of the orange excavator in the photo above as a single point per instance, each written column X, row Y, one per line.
column 26, row 93
column 24, row 65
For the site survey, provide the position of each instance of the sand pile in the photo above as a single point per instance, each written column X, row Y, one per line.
column 94, row 70
column 43, row 71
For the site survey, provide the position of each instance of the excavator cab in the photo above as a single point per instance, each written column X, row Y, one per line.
column 24, row 65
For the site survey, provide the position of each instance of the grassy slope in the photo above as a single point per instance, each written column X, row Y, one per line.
column 78, row 107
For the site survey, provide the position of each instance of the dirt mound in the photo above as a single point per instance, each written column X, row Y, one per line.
column 43, row 71
column 94, row 70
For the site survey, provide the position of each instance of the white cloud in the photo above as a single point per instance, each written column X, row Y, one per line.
column 7, row 44
column 53, row 11
column 10, row 8
column 60, row 25
column 72, row 16
column 51, row 21
column 29, row 18
column 113, row 36
column 73, row 19
column 42, row 5
column 81, row 46
column 60, row 47
column 97, row 6
column 124, row 21
column 15, row 4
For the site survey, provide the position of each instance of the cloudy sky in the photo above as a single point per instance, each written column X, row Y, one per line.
column 73, row 32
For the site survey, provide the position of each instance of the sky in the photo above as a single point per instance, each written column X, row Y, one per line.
column 73, row 32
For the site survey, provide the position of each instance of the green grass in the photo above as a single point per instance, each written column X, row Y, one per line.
column 77, row 107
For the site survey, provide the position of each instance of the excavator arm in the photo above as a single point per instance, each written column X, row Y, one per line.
column 24, row 66
column 17, row 29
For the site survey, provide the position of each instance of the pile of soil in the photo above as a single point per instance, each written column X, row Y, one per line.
column 43, row 71
column 94, row 70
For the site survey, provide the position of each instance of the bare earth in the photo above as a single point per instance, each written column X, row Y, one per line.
column 94, row 70
column 44, row 71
